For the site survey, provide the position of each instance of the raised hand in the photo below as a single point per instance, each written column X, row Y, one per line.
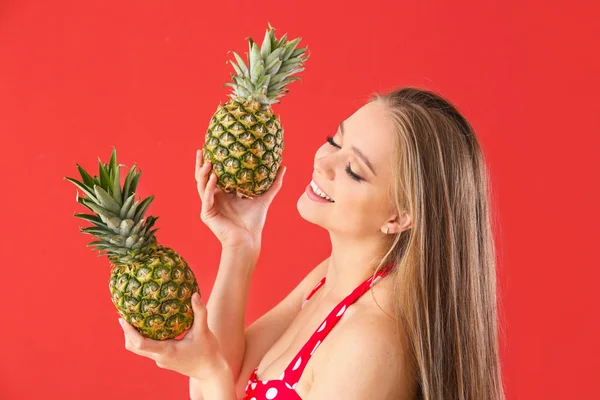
column 235, row 221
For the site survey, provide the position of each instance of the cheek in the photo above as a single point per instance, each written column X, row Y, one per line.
column 356, row 202
column 360, row 206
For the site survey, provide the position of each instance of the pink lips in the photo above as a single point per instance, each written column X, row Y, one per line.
column 317, row 183
column 314, row 197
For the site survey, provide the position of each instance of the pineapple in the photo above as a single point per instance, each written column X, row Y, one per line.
column 150, row 285
column 244, row 141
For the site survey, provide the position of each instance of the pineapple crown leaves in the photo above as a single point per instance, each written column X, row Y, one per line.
column 118, row 219
column 270, row 69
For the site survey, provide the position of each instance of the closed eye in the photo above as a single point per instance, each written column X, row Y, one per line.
column 331, row 142
column 348, row 169
column 353, row 174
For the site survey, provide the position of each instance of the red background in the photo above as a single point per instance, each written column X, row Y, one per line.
column 77, row 78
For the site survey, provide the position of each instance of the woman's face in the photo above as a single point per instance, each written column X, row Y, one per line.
column 352, row 169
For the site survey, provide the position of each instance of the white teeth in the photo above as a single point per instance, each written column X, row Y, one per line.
column 315, row 189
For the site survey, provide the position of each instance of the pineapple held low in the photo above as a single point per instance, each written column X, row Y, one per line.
column 244, row 141
column 151, row 285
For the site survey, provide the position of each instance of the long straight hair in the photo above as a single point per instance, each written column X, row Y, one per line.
column 445, row 271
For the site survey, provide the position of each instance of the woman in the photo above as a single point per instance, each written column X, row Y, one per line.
column 402, row 189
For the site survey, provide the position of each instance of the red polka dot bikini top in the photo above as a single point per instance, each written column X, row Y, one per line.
column 284, row 388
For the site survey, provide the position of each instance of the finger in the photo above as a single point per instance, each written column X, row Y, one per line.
column 200, row 324
column 199, row 163
column 203, row 177
column 132, row 348
column 209, row 191
column 208, row 197
column 138, row 344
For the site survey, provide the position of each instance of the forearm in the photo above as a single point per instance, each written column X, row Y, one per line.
column 215, row 392
column 220, row 386
column 195, row 389
column 227, row 303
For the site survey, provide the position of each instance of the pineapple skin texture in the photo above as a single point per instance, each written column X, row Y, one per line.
column 153, row 291
column 244, row 143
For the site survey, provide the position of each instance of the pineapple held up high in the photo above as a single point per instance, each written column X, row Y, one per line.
column 244, row 141
column 151, row 286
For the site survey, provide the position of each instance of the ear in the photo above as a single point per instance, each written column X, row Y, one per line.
column 397, row 224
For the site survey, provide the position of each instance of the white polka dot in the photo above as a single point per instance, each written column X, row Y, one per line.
column 341, row 311
column 317, row 345
column 282, row 375
column 264, row 382
column 271, row 393
column 253, row 385
column 254, row 398
column 322, row 326
column 288, row 385
column 297, row 365
column 294, row 385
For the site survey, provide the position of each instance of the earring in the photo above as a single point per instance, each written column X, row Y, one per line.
column 387, row 230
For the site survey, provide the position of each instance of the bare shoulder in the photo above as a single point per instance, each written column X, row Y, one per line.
column 371, row 320
column 369, row 336
column 364, row 358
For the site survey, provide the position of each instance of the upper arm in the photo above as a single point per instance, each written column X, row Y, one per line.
column 365, row 361
column 263, row 333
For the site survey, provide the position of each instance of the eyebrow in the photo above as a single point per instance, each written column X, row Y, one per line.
column 359, row 153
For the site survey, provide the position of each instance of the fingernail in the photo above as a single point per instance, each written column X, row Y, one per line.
column 196, row 298
column 121, row 322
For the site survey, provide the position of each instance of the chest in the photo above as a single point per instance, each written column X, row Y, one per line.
column 290, row 343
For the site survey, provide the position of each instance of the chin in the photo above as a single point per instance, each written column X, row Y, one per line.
column 309, row 211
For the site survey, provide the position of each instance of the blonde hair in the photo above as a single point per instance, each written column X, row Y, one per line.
column 445, row 262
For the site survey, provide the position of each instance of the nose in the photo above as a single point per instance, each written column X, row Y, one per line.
column 324, row 166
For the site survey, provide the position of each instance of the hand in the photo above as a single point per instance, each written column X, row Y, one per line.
column 235, row 221
column 196, row 355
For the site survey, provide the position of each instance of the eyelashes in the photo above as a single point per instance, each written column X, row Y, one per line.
column 352, row 174
column 348, row 169
column 331, row 142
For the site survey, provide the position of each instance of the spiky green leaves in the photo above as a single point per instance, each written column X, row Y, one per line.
column 270, row 69
column 118, row 222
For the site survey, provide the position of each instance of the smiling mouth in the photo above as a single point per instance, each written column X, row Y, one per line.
column 319, row 192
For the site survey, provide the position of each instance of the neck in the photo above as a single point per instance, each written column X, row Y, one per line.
column 352, row 261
